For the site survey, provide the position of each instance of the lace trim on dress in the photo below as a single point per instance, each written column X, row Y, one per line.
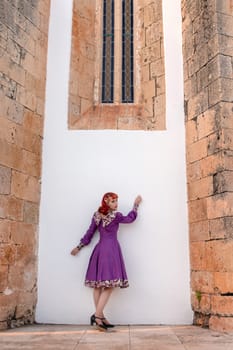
column 106, row 219
column 107, row 284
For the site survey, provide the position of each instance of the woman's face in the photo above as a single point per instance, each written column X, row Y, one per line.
column 112, row 203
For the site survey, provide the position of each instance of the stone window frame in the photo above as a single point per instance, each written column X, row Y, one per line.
column 148, row 110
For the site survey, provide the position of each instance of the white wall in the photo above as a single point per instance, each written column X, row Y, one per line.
column 80, row 166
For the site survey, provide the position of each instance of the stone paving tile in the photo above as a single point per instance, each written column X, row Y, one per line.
column 153, row 346
column 58, row 337
column 41, row 338
column 115, row 339
column 154, row 338
column 204, row 339
column 209, row 346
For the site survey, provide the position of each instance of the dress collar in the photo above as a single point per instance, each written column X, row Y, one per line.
column 106, row 219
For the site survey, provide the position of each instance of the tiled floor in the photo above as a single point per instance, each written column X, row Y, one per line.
column 47, row 337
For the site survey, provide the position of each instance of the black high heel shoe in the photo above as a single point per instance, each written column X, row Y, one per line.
column 101, row 326
column 108, row 325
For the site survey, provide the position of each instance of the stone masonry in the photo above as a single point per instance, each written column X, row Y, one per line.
column 208, row 88
column 148, row 110
column 23, row 53
column 208, row 52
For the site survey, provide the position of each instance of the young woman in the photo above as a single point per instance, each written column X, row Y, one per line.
column 106, row 269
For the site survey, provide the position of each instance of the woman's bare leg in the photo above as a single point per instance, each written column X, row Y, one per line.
column 96, row 295
column 103, row 299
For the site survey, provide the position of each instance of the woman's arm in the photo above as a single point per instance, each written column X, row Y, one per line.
column 86, row 239
column 132, row 215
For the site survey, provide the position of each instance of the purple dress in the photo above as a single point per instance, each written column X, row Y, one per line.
column 106, row 266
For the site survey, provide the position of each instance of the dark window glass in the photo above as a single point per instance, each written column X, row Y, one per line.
column 127, row 52
column 108, row 52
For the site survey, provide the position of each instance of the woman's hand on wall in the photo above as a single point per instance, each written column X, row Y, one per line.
column 74, row 251
column 138, row 200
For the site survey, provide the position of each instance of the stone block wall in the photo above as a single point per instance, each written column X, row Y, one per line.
column 208, row 73
column 23, row 54
column 85, row 108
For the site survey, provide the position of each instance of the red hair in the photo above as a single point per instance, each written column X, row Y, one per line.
column 104, row 208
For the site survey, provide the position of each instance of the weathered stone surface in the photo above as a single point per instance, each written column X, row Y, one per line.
column 202, row 282
column 201, row 188
column 154, row 33
column 219, row 256
column 197, row 256
column 199, row 231
column 225, row 24
column 10, row 132
column 14, row 208
column 31, row 213
column 22, row 233
column 207, row 123
column 223, row 282
column 22, row 277
column 15, row 111
column 211, row 164
column 222, row 304
column 197, row 104
column 156, row 69
column 8, row 254
column 26, row 98
column 149, row 90
column 207, row 50
column 151, row 53
column 32, row 142
column 26, row 254
column 7, row 306
column 198, row 210
column 191, row 131
column 25, row 187
column 10, row 155
column 220, row 90
column 5, row 231
column 3, row 277
column 31, row 164
column 197, row 150
column 225, row 45
column 16, row 278
column 221, row 228
column 8, row 86
column 23, row 55
column 161, row 86
column 223, row 182
column 33, row 122
column 5, row 180
column 220, row 205
column 203, row 305
column 221, row 324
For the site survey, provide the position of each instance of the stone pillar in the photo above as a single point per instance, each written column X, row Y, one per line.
column 208, row 51
column 23, row 53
